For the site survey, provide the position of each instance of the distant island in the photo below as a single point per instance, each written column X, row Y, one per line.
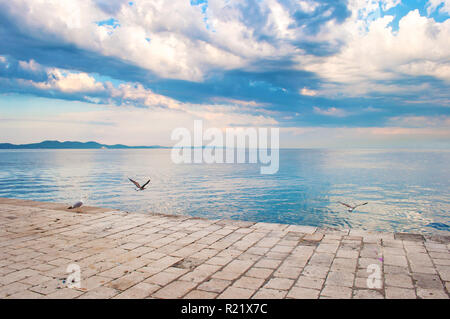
column 72, row 145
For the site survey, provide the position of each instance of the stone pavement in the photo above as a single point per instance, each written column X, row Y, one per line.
column 135, row 255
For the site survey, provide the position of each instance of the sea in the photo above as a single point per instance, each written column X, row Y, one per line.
column 405, row 190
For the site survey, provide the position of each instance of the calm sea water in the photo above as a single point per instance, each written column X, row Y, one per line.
column 406, row 190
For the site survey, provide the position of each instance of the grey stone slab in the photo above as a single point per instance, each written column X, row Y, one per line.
column 427, row 281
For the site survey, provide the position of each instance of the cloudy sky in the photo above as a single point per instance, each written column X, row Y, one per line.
column 330, row 73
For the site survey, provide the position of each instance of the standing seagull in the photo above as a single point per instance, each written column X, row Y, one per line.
column 140, row 188
column 351, row 208
column 76, row 205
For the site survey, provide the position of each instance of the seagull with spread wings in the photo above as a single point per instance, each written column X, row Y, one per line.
column 352, row 208
column 139, row 187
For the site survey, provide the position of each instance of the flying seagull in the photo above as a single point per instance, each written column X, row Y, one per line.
column 141, row 188
column 351, row 208
column 76, row 205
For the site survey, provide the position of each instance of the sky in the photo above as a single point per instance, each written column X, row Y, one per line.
column 330, row 73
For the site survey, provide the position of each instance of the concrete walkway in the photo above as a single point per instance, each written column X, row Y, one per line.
column 135, row 255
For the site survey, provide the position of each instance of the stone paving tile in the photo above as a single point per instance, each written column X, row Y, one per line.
column 367, row 294
column 398, row 280
column 262, row 273
column 400, row 293
column 316, row 237
column 17, row 275
column 340, row 278
column 310, row 282
column 200, row 294
column 360, row 283
column 139, row 291
column 224, row 275
column 25, row 294
column 200, row 273
column 395, row 260
column 322, row 259
column 45, row 288
column 135, row 255
column 303, row 293
column 316, row 271
column 288, row 272
column 444, row 262
column 162, row 278
column 344, row 264
column 176, row 289
column 126, row 281
column 365, row 262
column 214, row 285
column 65, row 293
column 327, row 248
column 268, row 263
column 427, row 281
column 444, row 272
column 115, row 272
column 101, row 292
column 35, row 280
column 347, row 253
column 423, row 269
column 12, row 288
column 94, row 282
column 236, row 293
column 396, row 270
column 431, row 293
column 265, row 293
column 249, row 282
column 279, row 283
column 336, row 292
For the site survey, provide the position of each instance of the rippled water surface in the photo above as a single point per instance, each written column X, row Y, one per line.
column 406, row 190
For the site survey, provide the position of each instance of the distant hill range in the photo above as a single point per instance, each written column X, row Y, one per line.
column 72, row 145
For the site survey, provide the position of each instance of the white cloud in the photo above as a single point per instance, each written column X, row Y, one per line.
column 138, row 95
column 84, row 87
column 432, row 5
column 30, row 65
column 343, row 137
column 388, row 4
column 308, row 92
column 125, row 124
column 218, row 115
column 69, row 82
column 169, row 38
column 279, row 20
column 175, row 39
column 420, row 121
column 332, row 111
column 376, row 54
column 308, row 6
